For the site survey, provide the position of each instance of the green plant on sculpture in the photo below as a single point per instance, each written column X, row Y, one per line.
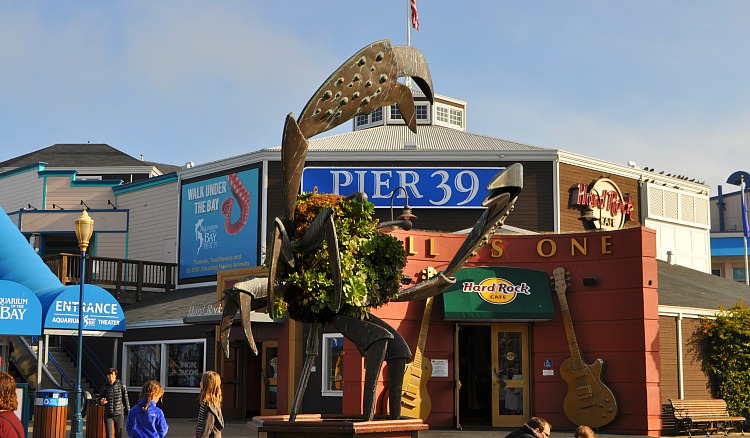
column 371, row 263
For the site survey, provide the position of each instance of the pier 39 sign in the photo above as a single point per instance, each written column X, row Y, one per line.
column 426, row 187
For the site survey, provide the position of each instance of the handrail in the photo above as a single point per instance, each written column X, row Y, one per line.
column 93, row 359
column 116, row 273
column 51, row 357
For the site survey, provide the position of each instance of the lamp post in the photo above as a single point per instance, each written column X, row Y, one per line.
column 84, row 230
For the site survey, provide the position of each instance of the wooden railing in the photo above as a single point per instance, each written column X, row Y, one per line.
column 126, row 278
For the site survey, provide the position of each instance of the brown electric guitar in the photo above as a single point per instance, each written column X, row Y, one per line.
column 415, row 401
column 589, row 401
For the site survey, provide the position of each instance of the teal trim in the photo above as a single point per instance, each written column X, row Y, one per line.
column 38, row 167
column 44, row 192
column 145, row 183
column 86, row 182
column 95, row 182
column 58, row 172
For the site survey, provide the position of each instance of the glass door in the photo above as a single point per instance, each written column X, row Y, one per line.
column 269, row 376
column 510, row 375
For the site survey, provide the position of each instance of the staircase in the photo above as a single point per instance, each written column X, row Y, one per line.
column 65, row 371
column 59, row 373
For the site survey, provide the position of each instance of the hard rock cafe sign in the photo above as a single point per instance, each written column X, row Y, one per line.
column 604, row 207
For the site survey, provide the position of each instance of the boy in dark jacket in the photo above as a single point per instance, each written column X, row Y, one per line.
column 114, row 397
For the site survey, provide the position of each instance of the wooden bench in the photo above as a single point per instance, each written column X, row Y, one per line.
column 707, row 415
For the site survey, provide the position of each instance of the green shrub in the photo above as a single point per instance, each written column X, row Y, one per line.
column 726, row 360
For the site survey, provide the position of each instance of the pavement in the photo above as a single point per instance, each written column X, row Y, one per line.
column 185, row 428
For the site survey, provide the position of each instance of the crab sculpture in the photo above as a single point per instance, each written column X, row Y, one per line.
column 365, row 82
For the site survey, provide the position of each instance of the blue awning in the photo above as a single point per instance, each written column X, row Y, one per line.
column 20, row 264
column 20, row 310
column 101, row 311
column 727, row 247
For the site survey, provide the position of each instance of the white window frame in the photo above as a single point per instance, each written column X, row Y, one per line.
column 164, row 363
column 326, row 359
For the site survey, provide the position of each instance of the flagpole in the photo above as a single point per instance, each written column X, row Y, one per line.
column 743, row 203
column 408, row 22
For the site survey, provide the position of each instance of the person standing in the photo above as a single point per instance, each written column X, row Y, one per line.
column 146, row 420
column 210, row 418
column 114, row 397
column 536, row 427
column 10, row 425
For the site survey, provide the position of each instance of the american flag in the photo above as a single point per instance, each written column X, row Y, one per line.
column 414, row 15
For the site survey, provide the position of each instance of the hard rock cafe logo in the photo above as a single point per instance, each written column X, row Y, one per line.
column 496, row 290
column 604, row 206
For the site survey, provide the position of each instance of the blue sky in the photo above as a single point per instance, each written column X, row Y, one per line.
column 663, row 83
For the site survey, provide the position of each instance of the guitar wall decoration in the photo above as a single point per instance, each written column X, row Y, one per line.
column 588, row 401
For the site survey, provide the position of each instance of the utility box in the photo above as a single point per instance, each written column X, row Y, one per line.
column 50, row 413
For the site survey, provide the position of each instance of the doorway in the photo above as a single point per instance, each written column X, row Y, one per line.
column 510, row 375
column 493, row 370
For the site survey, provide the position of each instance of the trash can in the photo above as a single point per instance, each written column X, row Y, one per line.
column 50, row 413
column 95, row 419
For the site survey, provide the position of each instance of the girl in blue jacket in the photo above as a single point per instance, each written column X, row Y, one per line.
column 145, row 420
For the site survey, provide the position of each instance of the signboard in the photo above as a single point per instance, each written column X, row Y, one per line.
column 495, row 293
column 219, row 224
column 604, row 207
column 426, row 187
column 101, row 311
column 439, row 367
column 20, row 310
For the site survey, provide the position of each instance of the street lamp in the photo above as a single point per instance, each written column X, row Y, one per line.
column 84, row 230
column 404, row 220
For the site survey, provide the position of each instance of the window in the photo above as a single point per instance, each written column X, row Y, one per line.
column 377, row 115
column 178, row 365
column 333, row 365
column 738, row 274
column 361, row 120
column 421, row 111
column 442, row 114
column 396, row 113
column 456, row 117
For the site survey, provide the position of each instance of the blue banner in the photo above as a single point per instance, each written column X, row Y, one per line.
column 219, row 224
column 20, row 310
column 426, row 187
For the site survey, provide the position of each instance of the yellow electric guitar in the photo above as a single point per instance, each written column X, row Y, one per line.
column 589, row 401
column 415, row 401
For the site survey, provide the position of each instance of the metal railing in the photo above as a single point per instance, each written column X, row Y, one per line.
column 122, row 275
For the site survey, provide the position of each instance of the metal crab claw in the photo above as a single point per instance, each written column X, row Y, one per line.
column 364, row 83
column 240, row 297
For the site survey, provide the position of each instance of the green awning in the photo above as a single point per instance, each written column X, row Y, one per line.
column 499, row 294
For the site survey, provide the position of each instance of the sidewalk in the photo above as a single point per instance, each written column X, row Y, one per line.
column 185, row 428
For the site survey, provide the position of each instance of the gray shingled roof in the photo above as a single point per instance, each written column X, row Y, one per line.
column 685, row 287
column 428, row 137
column 173, row 305
column 75, row 156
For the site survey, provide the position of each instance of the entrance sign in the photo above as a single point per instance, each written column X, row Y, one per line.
column 426, row 187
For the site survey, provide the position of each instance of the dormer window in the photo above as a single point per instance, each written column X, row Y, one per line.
column 395, row 113
column 449, row 116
